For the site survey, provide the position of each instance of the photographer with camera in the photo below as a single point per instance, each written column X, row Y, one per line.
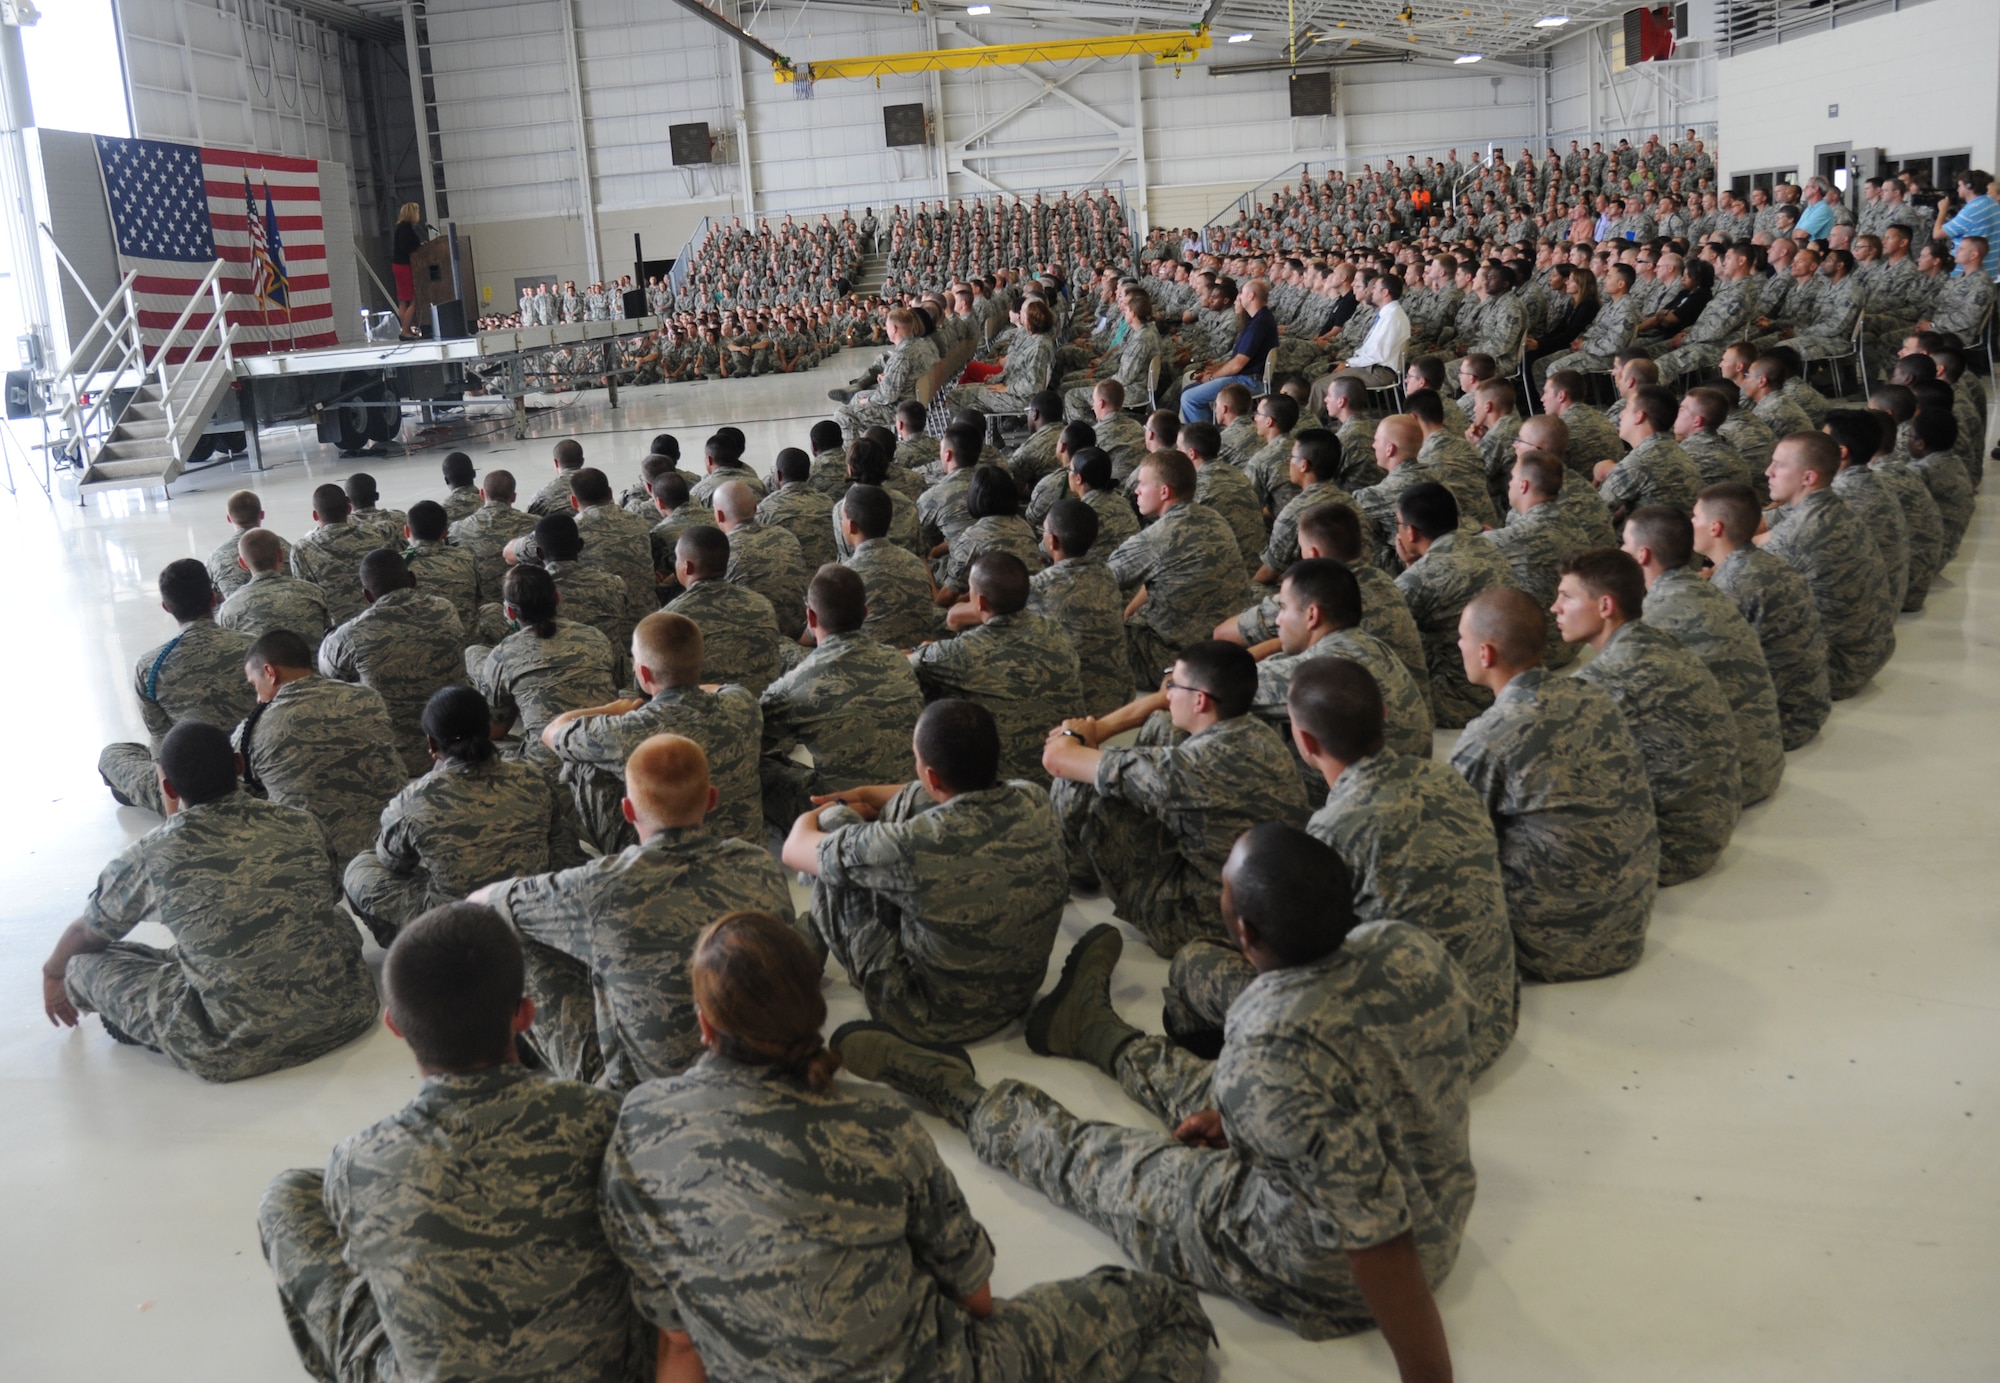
column 1978, row 214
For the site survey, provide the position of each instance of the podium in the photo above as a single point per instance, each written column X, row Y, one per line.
column 441, row 271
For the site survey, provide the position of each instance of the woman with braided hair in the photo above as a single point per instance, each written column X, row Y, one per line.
column 778, row 1227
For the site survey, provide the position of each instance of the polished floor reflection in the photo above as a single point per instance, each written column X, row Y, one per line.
column 1766, row 1153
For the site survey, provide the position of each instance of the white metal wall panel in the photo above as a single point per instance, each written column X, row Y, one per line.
column 69, row 198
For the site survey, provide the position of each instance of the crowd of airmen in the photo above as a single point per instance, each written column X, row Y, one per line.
column 562, row 753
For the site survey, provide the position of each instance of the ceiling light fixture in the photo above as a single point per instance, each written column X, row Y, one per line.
column 1239, row 38
column 1552, row 21
column 979, row 9
column 1463, row 58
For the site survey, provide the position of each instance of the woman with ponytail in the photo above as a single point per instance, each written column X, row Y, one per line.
column 548, row 665
column 778, row 1226
column 474, row 818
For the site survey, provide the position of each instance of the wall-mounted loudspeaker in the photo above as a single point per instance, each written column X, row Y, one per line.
column 690, row 144
column 904, row 126
column 1312, row 94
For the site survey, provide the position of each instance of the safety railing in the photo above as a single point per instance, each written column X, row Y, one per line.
column 185, row 402
column 93, row 385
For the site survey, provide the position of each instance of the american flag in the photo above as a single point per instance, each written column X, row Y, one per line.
column 176, row 209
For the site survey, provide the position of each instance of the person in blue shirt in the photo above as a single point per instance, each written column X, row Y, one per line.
column 1245, row 366
column 1979, row 216
column 1816, row 221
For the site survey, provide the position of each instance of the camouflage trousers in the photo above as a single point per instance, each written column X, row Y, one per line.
column 864, row 932
column 130, row 771
column 597, row 797
column 1580, row 361
column 857, row 418
column 1157, row 1197
column 336, row 1326
column 144, row 997
column 788, row 789
column 386, row 901
column 1108, row 1327
column 989, row 400
column 564, row 1034
column 1696, row 355
column 1693, row 839
column 1150, row 654
column 1136, row 861
column 1079, row 405
column 1202, row 982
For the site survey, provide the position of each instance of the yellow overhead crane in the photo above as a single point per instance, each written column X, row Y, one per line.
column 1172, row 46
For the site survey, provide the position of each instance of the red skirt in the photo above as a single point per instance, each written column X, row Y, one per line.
column 406, row 287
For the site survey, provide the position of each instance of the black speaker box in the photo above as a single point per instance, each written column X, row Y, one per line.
column 447, row 320
column 904, row 126
column 690, row 144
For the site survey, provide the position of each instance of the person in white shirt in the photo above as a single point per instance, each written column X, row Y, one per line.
column 1380, row 360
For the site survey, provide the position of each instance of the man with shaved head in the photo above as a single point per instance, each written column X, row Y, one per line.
column 272, row 598
column 767, row 559
column 1774, row 599
column 486, row 531
column 1816, row 533
column 1582, row 508
column 1398, row 439
column 668, row 651
column 609, row 942
column 1561, row 777
column 405, row 644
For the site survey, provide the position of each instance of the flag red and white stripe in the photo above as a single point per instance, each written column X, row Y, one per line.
column 175, row 209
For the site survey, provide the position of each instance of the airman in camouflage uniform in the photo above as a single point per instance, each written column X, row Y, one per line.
column 739, row 631
column 901, row 609
column 944, row 913
column 1228, row 491
column 1157, row 821
column 1437, row 587
column 326, row 747
column 1656, row 471
column 620, row 930
column 1419, row 848
column 487, row 531
column 462, row 502
column 1282, row 548
column 530, row 679
column 768, row 561
column 1724, row 320
column 1708, row 624
column 225, row 567
column 1406, row 710
column 450, row 572
column 1687, row 736
column 851, row 703
column 460, row 1238
column 276, row 600
column 458, row 828
column 1188, row 563
column 1819, row 536
column 196, row 675
column 806, row 513
column 1875, row 503
column 1562, row 779
column 1379, row 1025
column 265, row 971
column 595, row 745
column 1019, row 666
column 1922, row 524
column 787, row 1231
column 330, row 557
column 405, row 646
column 1079, row 596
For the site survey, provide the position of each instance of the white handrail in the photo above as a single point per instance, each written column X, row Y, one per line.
column 209, row 283
column 99, row 323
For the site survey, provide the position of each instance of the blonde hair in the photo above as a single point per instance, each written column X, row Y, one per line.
column 667, row 778
column 411, row 214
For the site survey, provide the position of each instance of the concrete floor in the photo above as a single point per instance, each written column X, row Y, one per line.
column 1768, row 1152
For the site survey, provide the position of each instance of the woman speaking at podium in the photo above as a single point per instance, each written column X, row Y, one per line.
column 409, row 238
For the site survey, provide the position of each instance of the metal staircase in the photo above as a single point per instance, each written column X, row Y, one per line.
column 133, row 421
